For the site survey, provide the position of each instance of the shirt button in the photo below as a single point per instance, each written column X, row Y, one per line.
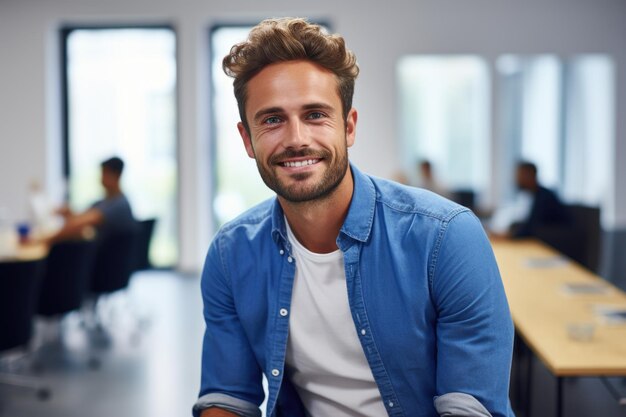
column 283, row 312
column 390, row 404
column 363, row 332
column 282, row 252
column 290, row 259
column 275, row 372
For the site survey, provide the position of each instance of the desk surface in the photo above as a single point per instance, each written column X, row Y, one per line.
column 25, row 253
column 534, row 277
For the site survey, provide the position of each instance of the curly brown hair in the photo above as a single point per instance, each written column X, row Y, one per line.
column 290, row 39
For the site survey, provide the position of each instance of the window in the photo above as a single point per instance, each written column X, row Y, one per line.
column 531, row 96
column 120, row 96
column 444, row 108
column 559, row 114
column 553, row 111
column 589, row 129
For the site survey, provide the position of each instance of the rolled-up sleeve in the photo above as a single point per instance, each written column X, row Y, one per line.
column 226, row 402
column 231, row 377
column 474, row 326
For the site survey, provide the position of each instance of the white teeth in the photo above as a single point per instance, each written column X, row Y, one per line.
column 300, row 163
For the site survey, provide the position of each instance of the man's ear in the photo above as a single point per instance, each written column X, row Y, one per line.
column 351, row 126
column 247, row 141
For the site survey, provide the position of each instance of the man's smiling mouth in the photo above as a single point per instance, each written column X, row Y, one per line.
column 296, row 164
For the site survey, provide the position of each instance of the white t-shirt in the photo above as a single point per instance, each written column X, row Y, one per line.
column 325, row 361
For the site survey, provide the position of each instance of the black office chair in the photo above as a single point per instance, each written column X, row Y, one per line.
column 19, row 289
column 580, row 240
column 145, row 229
column 63, row 289
column 114, row 262
column 464, row 197
column 66, row 278
column 587, row 219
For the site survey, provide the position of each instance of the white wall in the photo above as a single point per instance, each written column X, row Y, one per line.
column 379, row 32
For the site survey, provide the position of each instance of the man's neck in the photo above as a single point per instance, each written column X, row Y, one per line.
column 316, row 224
column 112, row 193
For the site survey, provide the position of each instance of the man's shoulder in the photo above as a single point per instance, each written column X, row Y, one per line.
column 545, row 194
column 415, row 200
column 118, row 200
column 253, row 219
column 114, row 207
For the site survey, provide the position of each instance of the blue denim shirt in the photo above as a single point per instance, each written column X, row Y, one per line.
column 424, row 290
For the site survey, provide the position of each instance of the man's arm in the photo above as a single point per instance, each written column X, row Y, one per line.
column 474, row 326
column 231, row 376
column 76, row 224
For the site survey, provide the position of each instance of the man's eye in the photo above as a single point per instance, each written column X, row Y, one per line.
column 315, row 115
column 272, row 120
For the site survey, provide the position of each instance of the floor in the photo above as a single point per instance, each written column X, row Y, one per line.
column 150, row 366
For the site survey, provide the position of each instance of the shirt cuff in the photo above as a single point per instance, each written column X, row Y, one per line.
column 232, row 404
column 458, row 404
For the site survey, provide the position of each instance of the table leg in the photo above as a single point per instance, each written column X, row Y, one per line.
column 559, row 396
column 529, row 378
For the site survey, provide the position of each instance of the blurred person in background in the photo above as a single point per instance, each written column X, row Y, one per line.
column 105, row 217
column 546, row 208
column 428, row 180
column 536, row 207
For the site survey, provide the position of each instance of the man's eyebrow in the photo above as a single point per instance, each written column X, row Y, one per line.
column 266, row 111
column 320, row 106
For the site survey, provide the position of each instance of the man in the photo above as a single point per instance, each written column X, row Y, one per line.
column 108, row 216
column 428, row 181
column 354, row 296
column 545, row 209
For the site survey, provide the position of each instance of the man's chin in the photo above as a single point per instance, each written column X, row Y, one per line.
column 303, row 193
column 301, row 176
column 297, row 193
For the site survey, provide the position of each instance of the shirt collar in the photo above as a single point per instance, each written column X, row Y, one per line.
column 358, row 222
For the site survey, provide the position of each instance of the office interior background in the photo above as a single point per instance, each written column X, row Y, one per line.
column 473, row 86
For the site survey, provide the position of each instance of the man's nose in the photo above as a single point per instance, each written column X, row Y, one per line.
column 297, row 135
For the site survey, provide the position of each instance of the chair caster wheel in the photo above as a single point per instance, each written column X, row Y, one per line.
column 44, row 394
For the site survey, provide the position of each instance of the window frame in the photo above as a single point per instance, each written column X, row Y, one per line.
column 64, row 31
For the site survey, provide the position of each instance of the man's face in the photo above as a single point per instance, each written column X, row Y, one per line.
column 109, row 178
column 297, row 133
column 524, row 178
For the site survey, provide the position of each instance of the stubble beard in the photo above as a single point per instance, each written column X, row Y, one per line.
column 299, row 191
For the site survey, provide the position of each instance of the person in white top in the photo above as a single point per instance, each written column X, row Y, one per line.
column 354, row 296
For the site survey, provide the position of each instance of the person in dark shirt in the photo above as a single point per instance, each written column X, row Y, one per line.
column 546, row 208
column 108, row 216
column 428, row 180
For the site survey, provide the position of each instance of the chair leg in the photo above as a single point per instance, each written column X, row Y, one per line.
column 26, row 382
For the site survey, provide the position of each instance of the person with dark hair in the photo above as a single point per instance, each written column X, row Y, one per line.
column 428, row 180
column 353, row 295
column 114, row 165
column 546, row 208
column 108, row 216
